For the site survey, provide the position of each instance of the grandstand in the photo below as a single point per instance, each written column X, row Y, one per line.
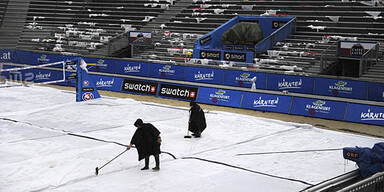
column 93, row 27
column 100, row 29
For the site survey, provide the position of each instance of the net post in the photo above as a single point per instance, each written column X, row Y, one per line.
column 2, row 81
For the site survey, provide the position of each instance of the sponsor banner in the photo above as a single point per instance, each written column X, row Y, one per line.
column 132, row 68
column 207, row 54
column 23, row 57
column 290, row 83
column 140, row 38
column 355, row 49
column 204, row 75
column 318, row 108
column 100, row 65
column 5, row 75
column 178, row 92
column 222, row 97
column 341, row 88
column 39, row 58
column 266, row 102
column 20, row 75
column 6, row 56
column 107, row 82
column 365, row 114
column 235, row 56
column 165, row 71
column 244, row 79
column 42, row 75
column 376, row 91
column 139, row 87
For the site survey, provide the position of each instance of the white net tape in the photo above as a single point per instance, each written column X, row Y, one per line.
column 20, row 82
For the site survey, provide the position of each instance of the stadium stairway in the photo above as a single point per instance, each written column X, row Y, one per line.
column 12, row 21
column 81, row 26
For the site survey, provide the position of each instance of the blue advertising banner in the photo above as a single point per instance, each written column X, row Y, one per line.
column 132, row 68
column 100, row 65
column 22, row 57
column 290, row 83
column 5, row 74
column 341, row 88
column 107, row 82
column 376, row 91
column 167, row 71
column 318, row 108
column 42, row 58
column 6, row 56
column 266, row 102
column 204, row 75
column 222, row 97
column 244, row 79
column 365, row 114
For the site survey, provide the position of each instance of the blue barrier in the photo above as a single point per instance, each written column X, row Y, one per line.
column 132, row 68
column 269, row 26
column 204, row 75
column 284, row 30
column 266, row 102
column 376, row 91
column 22, row 57
column 318, row 108
column 100, row 65
column 367, row 114
column 6, row 55
column 244, row 79
column 221, row 97
column 290, row 83
column 341, row 88
column 164, row 71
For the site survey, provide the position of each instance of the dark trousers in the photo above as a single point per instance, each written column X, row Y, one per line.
column 157, row 160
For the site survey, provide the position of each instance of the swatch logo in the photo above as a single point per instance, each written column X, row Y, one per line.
column 137, row 86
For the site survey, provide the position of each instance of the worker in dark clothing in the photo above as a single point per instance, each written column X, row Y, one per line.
column 147, row 141
column 196, row 122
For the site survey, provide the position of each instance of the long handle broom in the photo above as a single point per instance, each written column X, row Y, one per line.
column 97, row 169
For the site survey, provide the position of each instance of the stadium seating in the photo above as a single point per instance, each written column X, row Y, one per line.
column 316, row 32
column 86, row 26
column 83, row 26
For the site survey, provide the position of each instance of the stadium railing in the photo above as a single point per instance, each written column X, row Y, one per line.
column 368, row 59
column 374, row 183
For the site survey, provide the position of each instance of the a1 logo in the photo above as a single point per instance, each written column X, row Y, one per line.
column 87, row 96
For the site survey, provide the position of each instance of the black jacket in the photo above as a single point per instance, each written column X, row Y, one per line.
column 197, row 122
column 145, row 140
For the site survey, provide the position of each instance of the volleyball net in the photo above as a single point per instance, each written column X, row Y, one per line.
column 13, row 75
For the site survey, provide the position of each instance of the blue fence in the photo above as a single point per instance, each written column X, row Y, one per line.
column 250, row 100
